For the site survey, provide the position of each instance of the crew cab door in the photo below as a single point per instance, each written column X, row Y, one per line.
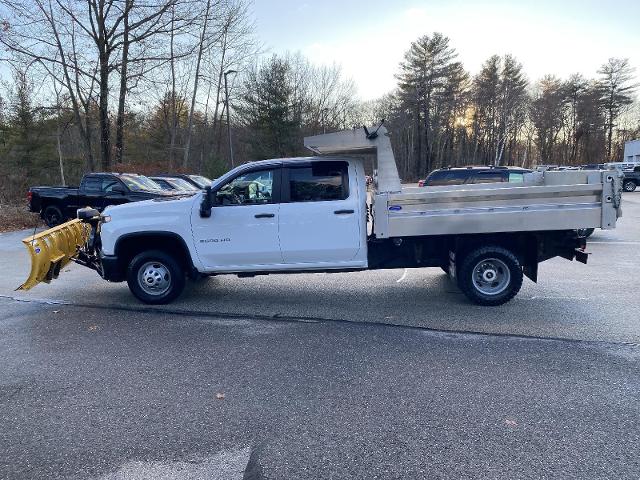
column 242, row 232
column 321, row 219
column 90, row 193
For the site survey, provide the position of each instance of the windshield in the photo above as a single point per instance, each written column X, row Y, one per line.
column 181, row 184
column 200, row 180
column 137, row 183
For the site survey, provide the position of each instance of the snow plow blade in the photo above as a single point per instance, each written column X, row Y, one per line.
column 53, row 249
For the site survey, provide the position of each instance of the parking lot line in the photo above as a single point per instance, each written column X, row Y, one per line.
column 404, row 275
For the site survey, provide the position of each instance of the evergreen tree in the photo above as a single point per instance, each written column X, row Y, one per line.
column 616, row 93
column 430, row 79
column 269, row 112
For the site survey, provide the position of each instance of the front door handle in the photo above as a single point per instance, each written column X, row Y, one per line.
column 342, row 212
column 264, row 215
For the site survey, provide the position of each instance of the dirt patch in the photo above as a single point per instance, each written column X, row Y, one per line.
column 16, row 217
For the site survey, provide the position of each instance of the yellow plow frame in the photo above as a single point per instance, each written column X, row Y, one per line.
column 53, row 249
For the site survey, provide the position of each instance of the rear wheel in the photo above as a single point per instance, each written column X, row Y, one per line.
column 490, row 275
column 52, row 216
column 629, row 185
column 155, row 277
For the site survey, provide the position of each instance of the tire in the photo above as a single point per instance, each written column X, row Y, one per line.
column 165, row 278
column 490, row 275
column 53, row 216
column 585, row 232
column 629, row 185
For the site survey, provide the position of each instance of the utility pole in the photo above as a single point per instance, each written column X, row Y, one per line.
column 226, row 99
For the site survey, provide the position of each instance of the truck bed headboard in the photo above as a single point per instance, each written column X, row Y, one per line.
column 355, row 142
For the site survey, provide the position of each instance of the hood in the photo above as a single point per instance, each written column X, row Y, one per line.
column 153, row 194
column 159, row 205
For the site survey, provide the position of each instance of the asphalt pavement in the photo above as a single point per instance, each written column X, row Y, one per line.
column 571, row 300
column 389, row 374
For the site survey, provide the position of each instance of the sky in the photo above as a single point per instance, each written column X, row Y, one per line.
column 368, row 38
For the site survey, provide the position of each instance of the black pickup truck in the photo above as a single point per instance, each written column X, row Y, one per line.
column 98, row 190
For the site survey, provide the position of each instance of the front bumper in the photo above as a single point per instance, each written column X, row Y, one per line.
column 111, row 268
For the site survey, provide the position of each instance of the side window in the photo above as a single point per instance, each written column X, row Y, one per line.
column 108, row 183
column 488, row 177
column 92, row 184
column 516, row 177
column 321, row 181
column 252, row 188
column 447, row 177
column 437, row 178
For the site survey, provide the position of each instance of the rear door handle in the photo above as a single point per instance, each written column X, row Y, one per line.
column 342, row 212
column 264, row 215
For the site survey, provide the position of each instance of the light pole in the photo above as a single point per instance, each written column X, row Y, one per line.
column 226, row 99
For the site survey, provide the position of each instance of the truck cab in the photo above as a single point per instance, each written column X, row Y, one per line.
column 289, row 214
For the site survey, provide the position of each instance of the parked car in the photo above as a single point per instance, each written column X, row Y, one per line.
column 473, row 175
column 631, row 179
column 174, row 184
column 197, row 181
column 97, row 190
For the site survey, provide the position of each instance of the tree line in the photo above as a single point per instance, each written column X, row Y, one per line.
column 160, row 85
column 440, row 115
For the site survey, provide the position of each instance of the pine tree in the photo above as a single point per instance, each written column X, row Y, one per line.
column 268, row 110
column 428, row 78
column 616, row 92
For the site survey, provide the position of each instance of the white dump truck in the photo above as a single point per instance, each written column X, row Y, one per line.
column 315, row 214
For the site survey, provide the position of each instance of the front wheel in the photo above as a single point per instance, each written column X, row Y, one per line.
column 629, row 186
column 490, row 275
column 155, row 277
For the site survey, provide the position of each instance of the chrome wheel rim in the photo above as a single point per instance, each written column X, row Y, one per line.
column 154, row 278
column 491, row 276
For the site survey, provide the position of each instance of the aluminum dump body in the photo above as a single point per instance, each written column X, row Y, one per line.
column 546, row 201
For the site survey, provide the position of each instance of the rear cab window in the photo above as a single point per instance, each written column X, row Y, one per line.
column 318, row 182
column 92, row 184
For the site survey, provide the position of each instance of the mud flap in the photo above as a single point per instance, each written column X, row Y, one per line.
column 51, row 250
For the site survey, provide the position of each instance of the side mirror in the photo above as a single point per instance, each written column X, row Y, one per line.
column 87, row 213
column 119, row 189
column 206, row 204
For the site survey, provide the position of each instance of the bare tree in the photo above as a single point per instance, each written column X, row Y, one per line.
column 39, row 31
column 202, row 45
column 83, row 44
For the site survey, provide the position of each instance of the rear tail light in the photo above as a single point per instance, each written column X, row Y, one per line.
column 29, row 196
